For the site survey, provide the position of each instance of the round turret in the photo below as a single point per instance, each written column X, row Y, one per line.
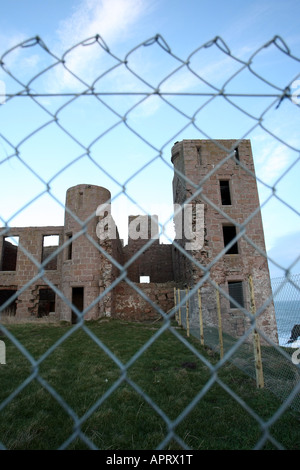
column 81, row 205
column 83, row 261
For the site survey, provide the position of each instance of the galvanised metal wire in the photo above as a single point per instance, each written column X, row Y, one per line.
column 280, row 374
column 137, row 95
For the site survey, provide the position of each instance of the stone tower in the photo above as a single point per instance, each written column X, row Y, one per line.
column 220, row 175
column 86, row 272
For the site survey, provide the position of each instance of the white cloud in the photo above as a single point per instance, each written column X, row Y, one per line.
column 109, row 18
column 276, row 160
column 113, row 20
column 12, row 50
column 272, row 157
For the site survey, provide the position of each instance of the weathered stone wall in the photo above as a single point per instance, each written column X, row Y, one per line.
column 154, row 259
column 85, row 264
column 86, row 267
column 205, row 161
column 31, row 241
column 155, row 262
column 130, row 305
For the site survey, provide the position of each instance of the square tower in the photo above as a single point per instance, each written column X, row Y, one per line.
column 220, row 176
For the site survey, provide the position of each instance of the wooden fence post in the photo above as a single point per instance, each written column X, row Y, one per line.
column 256, row 341
column 200, row 317
column 179, row 310
column 175, row 304
column 187, row 313
column 220, row 324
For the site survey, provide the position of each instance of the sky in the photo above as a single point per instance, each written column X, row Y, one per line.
column 123, row 140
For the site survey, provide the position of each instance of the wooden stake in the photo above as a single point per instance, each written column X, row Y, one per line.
column 220, row 324
column 179, row 310
column 175, row 304
column 256, row 341
column 187, row 313
column 200, row 318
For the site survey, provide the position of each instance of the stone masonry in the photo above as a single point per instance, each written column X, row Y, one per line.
column 81, row 271
column 229, row 193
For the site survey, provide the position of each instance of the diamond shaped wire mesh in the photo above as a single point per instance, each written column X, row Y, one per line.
column 122, row 104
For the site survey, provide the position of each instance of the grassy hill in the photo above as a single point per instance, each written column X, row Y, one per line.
column 76, row 396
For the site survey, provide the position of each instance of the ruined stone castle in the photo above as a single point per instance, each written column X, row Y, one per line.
column 37, row 275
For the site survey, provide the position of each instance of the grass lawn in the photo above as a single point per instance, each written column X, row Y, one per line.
column 169, row 374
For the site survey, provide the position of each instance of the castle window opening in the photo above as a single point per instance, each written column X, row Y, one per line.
column 82, row 275
column 50, row 244
column 5, row 295
column 77, row 301
column 9, row 253
column 46, row 302
column 229, row 233
column 235, row 290
column 236, row 154
column 225, row 193
column 69, row 246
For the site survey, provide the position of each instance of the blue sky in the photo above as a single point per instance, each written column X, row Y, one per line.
column 153, row 125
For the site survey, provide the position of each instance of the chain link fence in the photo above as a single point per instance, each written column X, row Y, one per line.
column 278, row 373
column 123, row 94
column 287, row 303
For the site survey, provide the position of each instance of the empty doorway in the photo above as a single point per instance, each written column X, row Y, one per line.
column 77, row 301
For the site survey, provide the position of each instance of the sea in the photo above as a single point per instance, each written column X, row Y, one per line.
column 287, row 315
